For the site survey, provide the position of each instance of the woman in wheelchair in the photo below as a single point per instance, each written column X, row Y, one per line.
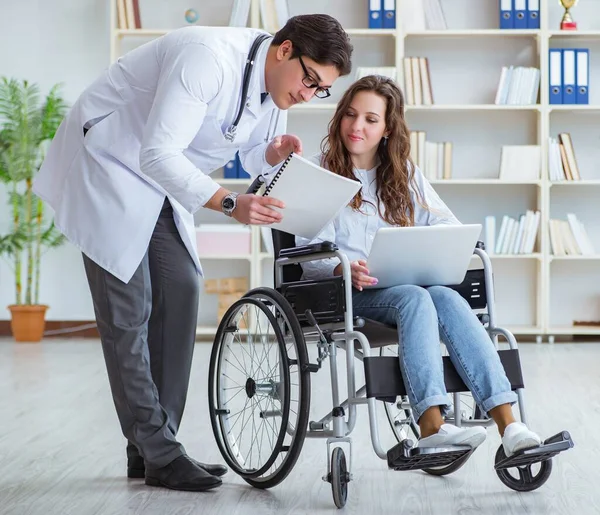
column 368, row 140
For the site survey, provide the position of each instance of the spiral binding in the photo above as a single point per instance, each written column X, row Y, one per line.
column 272, row 183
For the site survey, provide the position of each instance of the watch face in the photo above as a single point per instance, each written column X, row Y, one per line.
column 228, row 203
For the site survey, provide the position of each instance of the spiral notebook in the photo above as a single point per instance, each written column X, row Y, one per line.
column 313, row 196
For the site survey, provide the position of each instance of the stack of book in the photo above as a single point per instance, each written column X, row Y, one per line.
column 422, row 15
column 417, row 81
column 515, row 236
column 562, row 164
column 128, row 14
column 434, row 159
column 518, row 86
column 569, row 238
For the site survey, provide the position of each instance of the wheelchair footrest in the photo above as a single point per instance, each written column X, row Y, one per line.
column 551, row 447
column 404, row 457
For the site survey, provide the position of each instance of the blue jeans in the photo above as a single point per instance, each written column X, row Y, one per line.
column 423, row 316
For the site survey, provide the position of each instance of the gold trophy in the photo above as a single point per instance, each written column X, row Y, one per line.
column 567, row 22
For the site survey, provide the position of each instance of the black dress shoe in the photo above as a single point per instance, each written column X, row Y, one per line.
column 137, row 470
column 135, row 467
column 182, row 474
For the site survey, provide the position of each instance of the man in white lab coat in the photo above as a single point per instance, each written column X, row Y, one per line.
column 128, row 168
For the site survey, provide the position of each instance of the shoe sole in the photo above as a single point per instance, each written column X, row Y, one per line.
column 473, row 441
column 136, row 473
column 141, row 473
column 150, row 481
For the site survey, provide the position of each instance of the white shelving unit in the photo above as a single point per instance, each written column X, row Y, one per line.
column 536, row 294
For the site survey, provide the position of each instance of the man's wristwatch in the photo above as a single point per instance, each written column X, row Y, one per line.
column 229, row 203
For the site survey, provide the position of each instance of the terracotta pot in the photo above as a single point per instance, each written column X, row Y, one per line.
column 28, row 322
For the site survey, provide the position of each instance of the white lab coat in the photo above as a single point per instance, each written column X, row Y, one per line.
column 158, row 117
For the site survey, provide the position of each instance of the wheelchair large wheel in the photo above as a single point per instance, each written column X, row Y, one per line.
column 525, row 478
column 259, row 388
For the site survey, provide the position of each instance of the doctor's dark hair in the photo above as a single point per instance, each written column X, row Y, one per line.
column 319, row 37
column 395, row 173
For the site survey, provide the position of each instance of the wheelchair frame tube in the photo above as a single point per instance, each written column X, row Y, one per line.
column 493, row 330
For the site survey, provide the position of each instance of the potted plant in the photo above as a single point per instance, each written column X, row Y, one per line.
column 27, row 125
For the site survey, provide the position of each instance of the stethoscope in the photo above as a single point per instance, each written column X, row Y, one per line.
column 231, row 131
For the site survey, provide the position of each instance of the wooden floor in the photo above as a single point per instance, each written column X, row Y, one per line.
column 61, row 451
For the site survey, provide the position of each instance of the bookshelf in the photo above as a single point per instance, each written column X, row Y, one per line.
column 536, row 294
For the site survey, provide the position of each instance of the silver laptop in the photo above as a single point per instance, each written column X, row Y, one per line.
column 425, row 256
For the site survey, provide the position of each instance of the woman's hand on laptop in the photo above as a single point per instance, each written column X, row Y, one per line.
column 360, row 274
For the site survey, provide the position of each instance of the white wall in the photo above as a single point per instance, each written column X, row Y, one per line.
column 68, row 41
column 49, row 42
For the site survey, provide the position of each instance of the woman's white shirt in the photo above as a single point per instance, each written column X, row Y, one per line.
column 354, row 231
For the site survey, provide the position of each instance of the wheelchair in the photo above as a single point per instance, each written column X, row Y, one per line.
column 260, row 375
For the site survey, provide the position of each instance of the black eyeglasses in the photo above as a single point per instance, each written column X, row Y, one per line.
column 309, row 82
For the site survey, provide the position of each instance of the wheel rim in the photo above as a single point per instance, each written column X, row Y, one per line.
column 252, row 388
column 289, row 343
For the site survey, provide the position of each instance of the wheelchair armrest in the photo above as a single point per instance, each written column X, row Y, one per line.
column 305, row 250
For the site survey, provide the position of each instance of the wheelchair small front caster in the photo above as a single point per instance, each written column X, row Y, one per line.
column 523, row 478
column 339, row 477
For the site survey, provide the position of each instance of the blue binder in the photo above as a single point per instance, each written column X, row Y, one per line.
column 230, row 170
column 241, row 173
column 555, row 70
column 389, row 14
column 520, row 14
column 583, row 75
column 506, row 14
column 569, row 74
column 533, row 14
column 375, row 11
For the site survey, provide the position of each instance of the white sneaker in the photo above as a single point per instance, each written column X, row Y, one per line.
column 452, row 435
column 518, row 437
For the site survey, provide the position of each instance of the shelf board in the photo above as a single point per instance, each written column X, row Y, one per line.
column 574, row 34
column 523, row 329
column 585, row 182
column 161, row 32
column 589, row 257
column 205, row 330
column 233, row 182
column 483, row 182
column 371, row 32
column 330, row 106
column 575, row 329
column 451, row 33
column 315, row 105
column 535, row 255
column 225, row 256
column 573, row 107
column 472, row 107
column 142, row 32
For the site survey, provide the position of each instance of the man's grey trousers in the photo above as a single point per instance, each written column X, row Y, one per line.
column 147, row 328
